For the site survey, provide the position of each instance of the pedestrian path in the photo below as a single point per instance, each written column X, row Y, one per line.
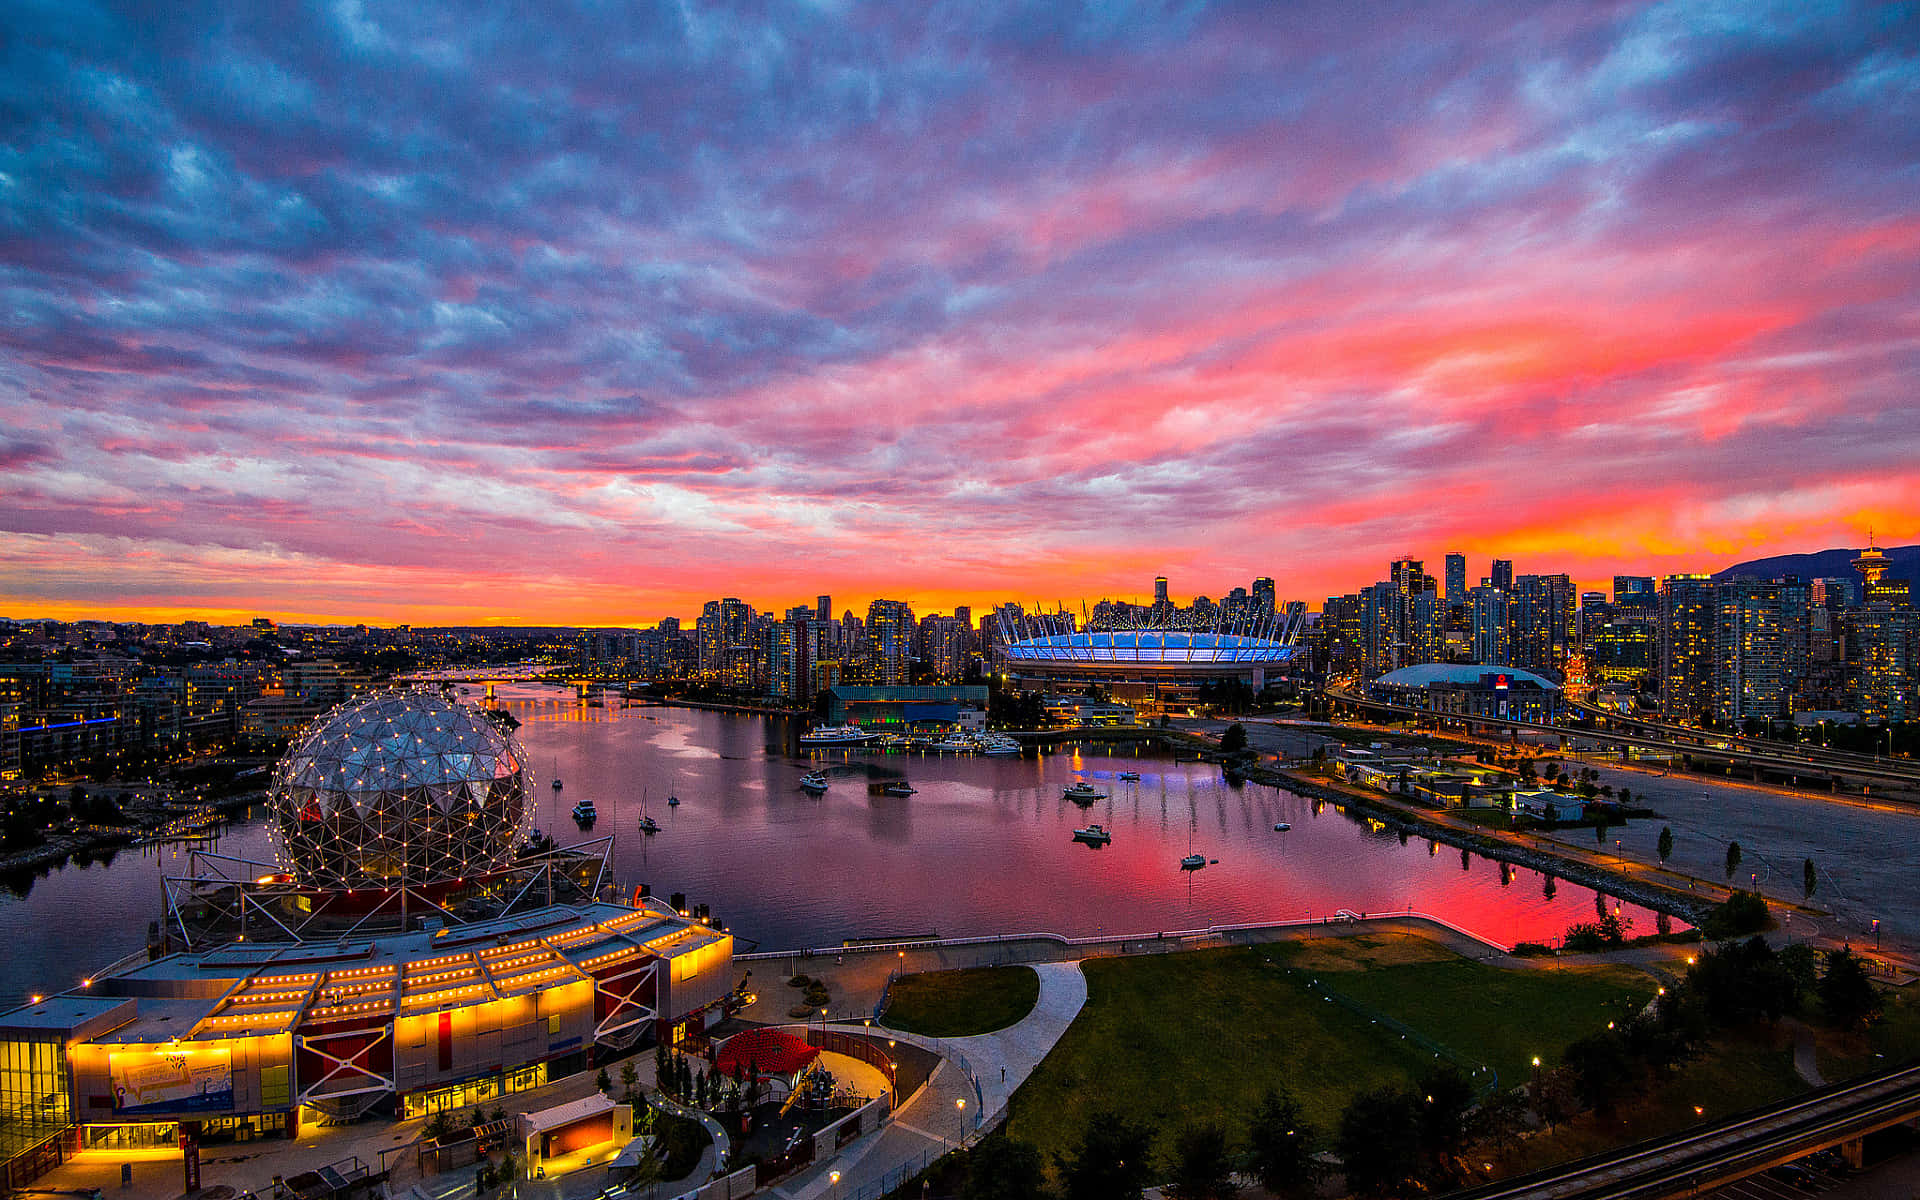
column 966, row 1094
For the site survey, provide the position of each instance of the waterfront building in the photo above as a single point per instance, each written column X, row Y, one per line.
column 404, row 956
column 1152, row 670
column 903, row 707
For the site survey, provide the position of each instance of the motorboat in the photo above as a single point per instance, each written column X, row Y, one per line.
column 813, row 781
column 1193, row 862
column 1082, row 792
column 1281, row 827
column 556, row 774
column 649, row 825
column 1093, row 835
column 836, row 735
column 998, row 743
column 673, row 802
column 899, row 787
column 957, row 743
column 584, row 814
column 1129, row 776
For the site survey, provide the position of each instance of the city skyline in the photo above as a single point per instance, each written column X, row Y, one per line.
column 385, row 316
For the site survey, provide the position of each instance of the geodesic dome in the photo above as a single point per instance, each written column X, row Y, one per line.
column 402, row 787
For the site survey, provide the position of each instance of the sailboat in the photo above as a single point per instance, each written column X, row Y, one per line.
column 648, row 825
column 556, row 774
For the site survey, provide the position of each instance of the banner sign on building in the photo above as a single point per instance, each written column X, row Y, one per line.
column 172, row 1080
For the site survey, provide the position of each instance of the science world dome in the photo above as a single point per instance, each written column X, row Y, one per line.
column 400, row 788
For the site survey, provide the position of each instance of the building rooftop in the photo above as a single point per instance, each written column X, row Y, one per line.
column 1428, row 674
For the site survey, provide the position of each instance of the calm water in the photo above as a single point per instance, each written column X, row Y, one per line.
column 984, row 847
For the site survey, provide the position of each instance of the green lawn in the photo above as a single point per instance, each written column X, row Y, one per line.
column 1499, row 1017
column 1193, row 1037
column 961, row 1003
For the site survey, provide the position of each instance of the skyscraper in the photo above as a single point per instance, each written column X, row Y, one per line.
column 1686, row 648
column 1263, row 602
column 890, row 630
column 1490, row 626
column 1456, row 578
column 1160, row 589
column 823, row 608
column 1502, row 574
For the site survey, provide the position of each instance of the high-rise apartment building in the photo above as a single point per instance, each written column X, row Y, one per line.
column 1490, row 647
column 1263, row 597
column 1750, row 680
column 890, row 629
column 1686, row 648
column 1456, row 578
column 1501, row 575
column 1632, row 585
column 823, row 608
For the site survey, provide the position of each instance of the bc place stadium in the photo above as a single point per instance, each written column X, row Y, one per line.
column 1154, row 667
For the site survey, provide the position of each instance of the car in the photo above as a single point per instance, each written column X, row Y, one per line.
column 1795, row 1174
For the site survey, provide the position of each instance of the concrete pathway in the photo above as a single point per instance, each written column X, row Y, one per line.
column 967, row 1093
column 1806, row 1061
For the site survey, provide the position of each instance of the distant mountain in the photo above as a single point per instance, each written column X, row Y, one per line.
column 1827, row 564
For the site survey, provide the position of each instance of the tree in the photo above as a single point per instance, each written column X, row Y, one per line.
column 1380, row 1141
column 1234, row 739
column 629, row 1081
column 1808, row 879
column 1626, row 795
column 1665, row 847
column 1280, row 1143
column 1000, row 1168
column 1847, row 992
column 1600, row 831
column 602, row 1082
column 1603, row 1070
column 1200, row 1168
column 1113, row 1161
column 1733, row 858
column 1446, row 1094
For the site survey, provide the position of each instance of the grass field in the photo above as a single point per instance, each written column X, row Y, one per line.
column 1490, row 1015
column 1196, row 1037
column 961, row 1003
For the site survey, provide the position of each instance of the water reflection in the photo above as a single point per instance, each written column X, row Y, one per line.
column 985, row 845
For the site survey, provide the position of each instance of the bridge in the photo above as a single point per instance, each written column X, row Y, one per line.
column 1782, row 761
column 1709, row 1156
column 491, row 676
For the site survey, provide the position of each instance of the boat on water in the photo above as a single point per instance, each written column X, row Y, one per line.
column 1193, row 862
column 673, row 802
column 1281, row 827
column 836, row 735
column 583, row 813
column 1129, row 776
column 1082, row 792
column 649, row 826
column 813, row 781
column 556, row 774
column 1093, row 835
column 957, row 743
column 998, row 743
column 899, row 787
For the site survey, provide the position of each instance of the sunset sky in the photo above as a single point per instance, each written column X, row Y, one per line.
column 391, row 312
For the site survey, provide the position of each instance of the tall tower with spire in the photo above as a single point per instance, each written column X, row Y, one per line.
column 1872, row 564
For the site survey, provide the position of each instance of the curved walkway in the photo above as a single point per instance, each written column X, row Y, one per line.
column 982, row 1071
